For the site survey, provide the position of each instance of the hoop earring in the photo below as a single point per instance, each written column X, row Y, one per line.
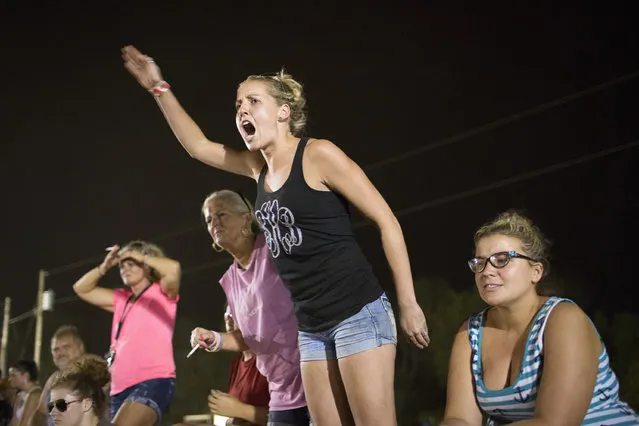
column 245, row 232
column 218, row 248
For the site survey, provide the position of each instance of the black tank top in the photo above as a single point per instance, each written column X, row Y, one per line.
column 311, row 240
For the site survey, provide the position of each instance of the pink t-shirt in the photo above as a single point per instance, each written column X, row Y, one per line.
column 144, row 349
column 262, row 309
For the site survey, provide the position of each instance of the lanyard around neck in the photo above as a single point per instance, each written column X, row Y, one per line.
column 132, row 299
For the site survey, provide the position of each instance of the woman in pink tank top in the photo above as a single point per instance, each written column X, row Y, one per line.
column 141, row 351
column 259, row 303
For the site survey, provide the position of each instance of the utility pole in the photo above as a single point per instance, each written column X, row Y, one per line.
column 37, row 344
column 5, row 334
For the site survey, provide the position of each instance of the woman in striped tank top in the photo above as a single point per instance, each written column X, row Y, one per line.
column 528, row 359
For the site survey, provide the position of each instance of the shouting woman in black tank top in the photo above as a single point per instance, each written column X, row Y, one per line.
column 347, row 334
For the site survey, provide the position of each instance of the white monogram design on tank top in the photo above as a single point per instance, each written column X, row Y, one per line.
column 278, row 225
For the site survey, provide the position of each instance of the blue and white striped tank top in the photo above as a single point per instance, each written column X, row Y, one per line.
column 517, row 402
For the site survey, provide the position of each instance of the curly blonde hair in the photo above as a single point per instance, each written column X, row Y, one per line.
column 286, row 90
column 534, row 244
column 86, row 377
column 146, row 249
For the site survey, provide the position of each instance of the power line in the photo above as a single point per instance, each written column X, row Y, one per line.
column 192, row 270
column 444, row 200
column 96, row 259
column 31, row 312
column 418, row 151
column 516, row 179
column 23, row 316
column 74, row 265
column 503, row 121
column 66, row 299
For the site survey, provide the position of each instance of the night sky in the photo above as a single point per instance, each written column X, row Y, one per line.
column 88, row 161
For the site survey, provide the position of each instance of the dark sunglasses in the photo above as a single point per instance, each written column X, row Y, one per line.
column 60, row 404
column 498, row 260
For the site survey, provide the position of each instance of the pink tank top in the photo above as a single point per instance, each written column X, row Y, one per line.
column 262, row 309
column 144, row 349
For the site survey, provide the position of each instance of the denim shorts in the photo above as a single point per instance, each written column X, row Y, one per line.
column 371, row 327
column 154, row 393
column 294, row 417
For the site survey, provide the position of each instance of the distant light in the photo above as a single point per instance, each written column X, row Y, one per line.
column 195, row 419
column 219, row 420
column 48, row 299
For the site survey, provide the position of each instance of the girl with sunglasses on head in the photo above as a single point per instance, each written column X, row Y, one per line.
column 144, row 311
column 259, row 305
column 77, row 395
column 529, row 358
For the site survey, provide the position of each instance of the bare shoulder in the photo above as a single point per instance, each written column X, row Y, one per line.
column 325, row 164
column 463, row 328
column 329, row 159
column 461, row 339
column 34, row 397
column 568, row 323
column 567, row 314
column 322, row 149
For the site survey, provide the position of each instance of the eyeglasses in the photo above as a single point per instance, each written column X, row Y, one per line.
column 60, row 404
column 498, row 260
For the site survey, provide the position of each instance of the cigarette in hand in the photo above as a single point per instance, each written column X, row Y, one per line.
column 195, row 348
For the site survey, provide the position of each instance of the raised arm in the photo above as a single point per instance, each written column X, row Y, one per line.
column 188, row 133
column 87, row 287
column 170, row 270
column 334, row 169
column 461, row 405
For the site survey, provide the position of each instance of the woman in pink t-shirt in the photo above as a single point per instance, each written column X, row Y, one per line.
column 141, row 350
column 259, row 303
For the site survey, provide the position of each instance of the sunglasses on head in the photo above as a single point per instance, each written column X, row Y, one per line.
column 244, row 200
column 60, row 404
